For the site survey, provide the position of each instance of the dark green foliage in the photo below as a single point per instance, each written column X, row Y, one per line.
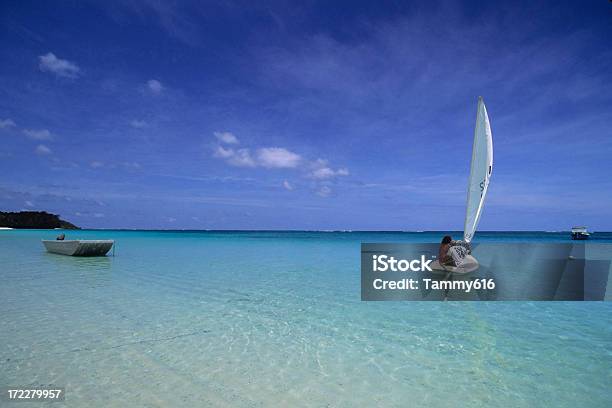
column 33, row 219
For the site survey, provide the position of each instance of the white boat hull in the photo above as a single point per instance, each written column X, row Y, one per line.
column 470, row 264
column 79, row 247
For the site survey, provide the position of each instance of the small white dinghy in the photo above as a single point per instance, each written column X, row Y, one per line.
column 78, row 247
column 478, row 183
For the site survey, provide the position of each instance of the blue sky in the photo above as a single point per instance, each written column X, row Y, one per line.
column 305, row 115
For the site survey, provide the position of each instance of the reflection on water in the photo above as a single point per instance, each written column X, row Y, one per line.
column 89, row 270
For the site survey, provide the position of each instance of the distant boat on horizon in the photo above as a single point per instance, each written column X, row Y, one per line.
column 580, row 233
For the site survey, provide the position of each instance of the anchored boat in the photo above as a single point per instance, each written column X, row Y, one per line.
column 478, row 184
column 78, row 247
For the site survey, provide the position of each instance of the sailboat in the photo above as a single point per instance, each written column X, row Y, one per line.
column 478, row 184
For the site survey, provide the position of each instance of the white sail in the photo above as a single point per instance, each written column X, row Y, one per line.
column 480, row 171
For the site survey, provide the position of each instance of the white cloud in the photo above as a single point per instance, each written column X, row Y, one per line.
column 277, row 157
column 6, row 123
column 342, row 172
column 242, row 158
column 155, row 86
column 138, row 124
column 269, row 157
column 226, row 137
column 322, row 171
column 239, row 158
column 42, row 150
column 326, row 172
column 62, row 68
column 324, row 191
column 42, row 134
column 28, row 203
column 223, row 153
column 96, row 164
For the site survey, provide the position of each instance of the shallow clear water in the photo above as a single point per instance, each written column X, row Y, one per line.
column 275, row 319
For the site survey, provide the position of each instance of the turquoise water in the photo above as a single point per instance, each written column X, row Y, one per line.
column 275, row 319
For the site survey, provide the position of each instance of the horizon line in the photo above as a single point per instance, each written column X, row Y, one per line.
column 291, row 230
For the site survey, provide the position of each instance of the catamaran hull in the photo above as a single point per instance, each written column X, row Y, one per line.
column 470, row 265
column 79, row 247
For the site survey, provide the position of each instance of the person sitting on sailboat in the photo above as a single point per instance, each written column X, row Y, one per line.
column 453, row 253
column 443, row 256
